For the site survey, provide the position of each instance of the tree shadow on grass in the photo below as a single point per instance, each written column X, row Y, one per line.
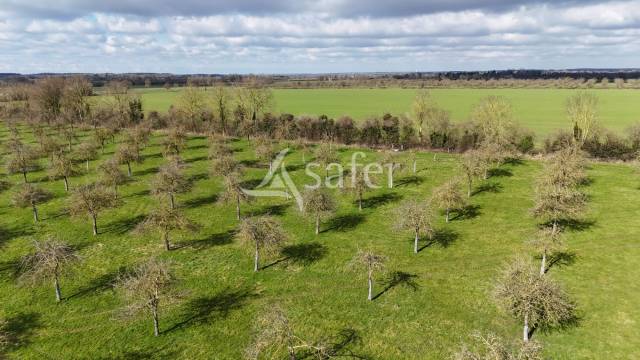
column 577, row 224
column 443, row 237
column 123, row 226
column 562, row 258
column 168, row 351
column 152, row 156
column 139, row 193
column 275, row 210
column 147, row 171
column 20, row 328
column 198, row 177
column 249, row 163
column 467, row 212
column 344, row 222
column 302, row 254
column 399, row 278
column 8, row 234
column 209, row 241
column 337, row 346
column 196, row 159
column 250, row 184
column 101, row 283
column 409, row 180
column 373, row 202
column 492, row 187
column 207, row 309
column 201, row 201
column 11, row 269
column 572, row 322
column 499, row 172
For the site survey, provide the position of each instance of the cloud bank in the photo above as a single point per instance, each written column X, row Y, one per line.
column 245, row 36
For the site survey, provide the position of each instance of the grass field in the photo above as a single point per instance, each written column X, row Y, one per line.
column 541, row 110
column 452, row 279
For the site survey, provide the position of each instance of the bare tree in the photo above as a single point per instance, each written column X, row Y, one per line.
column 86, row 152
column 265, row 151
column 127, row 154
column 421, row 109
column 191, row 104
column 554, row 203
column 582, row 110
column 91, row 200
column 417, row 216
column 21, row 160
column 535, row 299
column 233, row 191
column 164, row 220
column 324, row 155
column 263, row 234
column 491, row 347
column 138, row 137
column 224, row 166
column 222, row 106
column 473, row 166
column 318, row 203
column 358, row 185
column 546, row 243
column 391, row 159
column 169, row 181
column 448, row 197
column 175, row 141
column 50, row 260
column 62, row 167
column 370, row 262
column 146, row 286
column 111, row 175
column 29, row 195
column 494, row 116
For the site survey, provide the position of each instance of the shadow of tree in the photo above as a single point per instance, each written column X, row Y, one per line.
column 275, row 210
column 337, row 346
column 101, row 283
column 563, row 258
column 443, row 237
column 344, row 222
column 492, row 187
column 205, row 309
column 200, row 201
column 212, row 240
column 399, row 278
column 20, row 328
column 196, row 159
column 250, row 184
column 499, row 172
column 513, row 161
column 576, row 224
column 122, row 226
column 379, row 200
column 467, row 212
column 304, row 254
column 410, row 180
column 147, row 171
column 8, row 234
column 152, row 156
column 10, row 268
column 249, row 162
column 139, row 193
column 4, row 185
column 197, row 177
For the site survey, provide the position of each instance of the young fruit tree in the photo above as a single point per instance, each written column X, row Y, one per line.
column 415, row 215
column 127, row 154
column 473, row 166
column 392, row 162
column 324, row 155
column 91, row 200
column 556, row 203
column 111, row 175
column 62, row 167
column 145, row 287
column 175, row 141
column 50, row 260
column 536, row 299
column 224, row 165
column 491, row 347
column 546, row 243
column 448, row 197
column 266, row 151
column 21, row 160
column 263, row 234
column 582, row 110
column 233, row 191
column 86, row 152
column 318, row 203
column 359, row 184
column 371, row 263
column 165, row 220
column 169, row 181
column 31, row 196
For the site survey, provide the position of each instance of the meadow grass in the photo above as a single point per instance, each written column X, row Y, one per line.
column 541, row 110
column 447, row 298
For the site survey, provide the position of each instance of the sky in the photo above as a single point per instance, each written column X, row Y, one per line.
column 315, row 36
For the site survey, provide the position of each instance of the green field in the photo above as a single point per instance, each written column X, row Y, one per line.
column 541, row 110
column 323, row 297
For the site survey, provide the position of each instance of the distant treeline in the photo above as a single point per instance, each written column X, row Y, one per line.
column 571, row 79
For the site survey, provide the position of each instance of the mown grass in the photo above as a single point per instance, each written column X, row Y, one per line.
column 428, row 317
column 541, row 110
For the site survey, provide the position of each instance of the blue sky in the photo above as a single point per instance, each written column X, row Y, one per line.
column 252, row 36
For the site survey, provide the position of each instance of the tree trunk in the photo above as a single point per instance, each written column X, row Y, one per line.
column 35, row 213
column 87, row 164
column 238, row 208
column 165, row 239
column 129, row 169
column 370, row 279
column 469, row 185
column 447, row 216
column 415, row 164
column 172, row 201
column 360, row 201
column 66, row 184
column 543, row 265
column 317, row 224
column 24, row 175
column 555, row 226
column 256, row 259
column 115, row 190
column 156, row 325
column 391, row 177
column 94, row 219
column 415, row 242
column 525, row 330
column 56, row 284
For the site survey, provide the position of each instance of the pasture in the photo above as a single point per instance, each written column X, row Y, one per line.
column 541, row 110
column 426, row 304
